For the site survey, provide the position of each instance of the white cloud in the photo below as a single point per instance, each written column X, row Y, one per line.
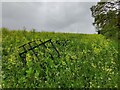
column 50, row 0
column 0, row 14
column 51, row 16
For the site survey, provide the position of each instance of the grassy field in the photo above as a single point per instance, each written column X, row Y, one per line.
column 85, row 61
column 0, row 57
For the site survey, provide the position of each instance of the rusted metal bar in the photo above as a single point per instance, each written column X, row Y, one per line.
column 31, row 48
column 55, row 48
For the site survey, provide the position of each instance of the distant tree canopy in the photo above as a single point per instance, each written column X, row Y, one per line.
column 107, row 17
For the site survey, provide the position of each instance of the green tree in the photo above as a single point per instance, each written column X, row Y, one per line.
column 107, row 17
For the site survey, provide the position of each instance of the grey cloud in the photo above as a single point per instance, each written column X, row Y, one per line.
column 50, row 0
column 51, row 16
column 0, row 14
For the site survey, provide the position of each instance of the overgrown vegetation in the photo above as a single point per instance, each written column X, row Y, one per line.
column 87, row 61
column 107, row 18
column 0, row 57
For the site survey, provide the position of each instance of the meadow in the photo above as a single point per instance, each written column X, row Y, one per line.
column 84, row 60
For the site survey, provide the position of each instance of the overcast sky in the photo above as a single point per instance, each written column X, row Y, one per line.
column 72, row 17
column 0, row 14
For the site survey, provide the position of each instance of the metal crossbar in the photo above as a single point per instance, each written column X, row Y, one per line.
column 31, row 48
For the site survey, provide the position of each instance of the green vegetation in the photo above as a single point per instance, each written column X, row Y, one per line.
column 0, row 56
column 86, row 61
column 107, row 18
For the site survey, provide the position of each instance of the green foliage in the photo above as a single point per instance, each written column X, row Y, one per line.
column 0, row 56
column 107, row 18
column 87, row 61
